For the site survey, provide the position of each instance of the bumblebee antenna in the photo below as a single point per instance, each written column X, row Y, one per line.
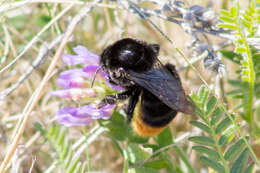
column 96, row 72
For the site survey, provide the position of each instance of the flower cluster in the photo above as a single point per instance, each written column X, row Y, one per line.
column 76, row 86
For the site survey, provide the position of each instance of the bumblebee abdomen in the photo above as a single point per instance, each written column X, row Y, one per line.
column 143, row 129
column 151, row 115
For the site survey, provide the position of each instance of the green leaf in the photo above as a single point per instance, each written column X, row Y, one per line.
column 240, row 162
column 61, row 137
column 225, row 13
column 145, row 170
column 211, row 104
column 201, row 126
column 65, row 150
column 136, row 153
column 126, row 164
column 120, row 130
column 223, row 125
column 245, row 72
column 227, row 19
column 136, row 138
column 244, row 63
column 165, row 137
column 73, row 165
column 227, row 136
column 233, row 11
column 203, row 95
column 234, row 150
column 203, row 140
column 83, row 167
column 245, row 78
column 228, row 26
column 247, row 24
column 216, row 115
column 205, row 150
column 78, row 168
column 154, row 147
column 200, row 113
column 240, row 50
column 232, row 56
column 250, row 168
column 117, row 127
column 223, row 140
column 156, row 164
column 247, row 16
column 40, row 128
column 215, row 165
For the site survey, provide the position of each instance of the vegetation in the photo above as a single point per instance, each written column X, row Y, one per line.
column 215, row 46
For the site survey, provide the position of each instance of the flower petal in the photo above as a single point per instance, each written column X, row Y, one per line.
column 68, row 116
column 91, row 69
column 84, row 115
column 74, row 93
column 74, row 78
column 83, row 56
column 60, row 93
column 107, row 111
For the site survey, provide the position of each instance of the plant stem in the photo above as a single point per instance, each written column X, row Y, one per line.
column 225, row 164
column 248, row 57
column 183, row 158
column 251, row 83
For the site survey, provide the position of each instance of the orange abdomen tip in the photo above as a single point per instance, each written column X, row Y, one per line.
column 142, row 129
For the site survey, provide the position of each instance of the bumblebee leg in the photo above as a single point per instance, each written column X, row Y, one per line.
column 111, row 99
column 131, row 105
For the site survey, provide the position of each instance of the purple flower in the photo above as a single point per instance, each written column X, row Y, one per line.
column 76, row 86
column 74, row 78
column 84, row 115
column 74, row 93
column 91, row 69
column 83, row 57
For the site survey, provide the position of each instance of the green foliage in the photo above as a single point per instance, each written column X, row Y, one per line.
column 120, row 130
column 243, row 25
column 219, row 150
column 68, row 153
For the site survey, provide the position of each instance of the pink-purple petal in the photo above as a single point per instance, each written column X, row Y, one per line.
column 60, row 93
column 74, row 82
column 91, row 70
column 74, row 93
column 74, row 78
column 84, row 115
column 83, row 51
column 69, row 116
column 107, row 111
column 83, row 56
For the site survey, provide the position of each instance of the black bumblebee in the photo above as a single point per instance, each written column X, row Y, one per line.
column 133, row 65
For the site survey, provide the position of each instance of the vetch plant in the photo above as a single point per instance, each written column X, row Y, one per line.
column 244, row 25
column 220, row 149
column 222, row 137
column 76, row 86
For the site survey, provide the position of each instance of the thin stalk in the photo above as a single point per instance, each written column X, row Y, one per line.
column 239, row 132
column 225, row 164
column 251, row 83
column 125, row 168
column 184, row 158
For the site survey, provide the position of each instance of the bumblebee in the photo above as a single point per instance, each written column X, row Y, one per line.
column 154, row 90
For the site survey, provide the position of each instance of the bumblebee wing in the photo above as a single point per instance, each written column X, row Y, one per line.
column 164, row 84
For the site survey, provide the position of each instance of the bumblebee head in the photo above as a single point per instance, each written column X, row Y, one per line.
column 129, row 54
